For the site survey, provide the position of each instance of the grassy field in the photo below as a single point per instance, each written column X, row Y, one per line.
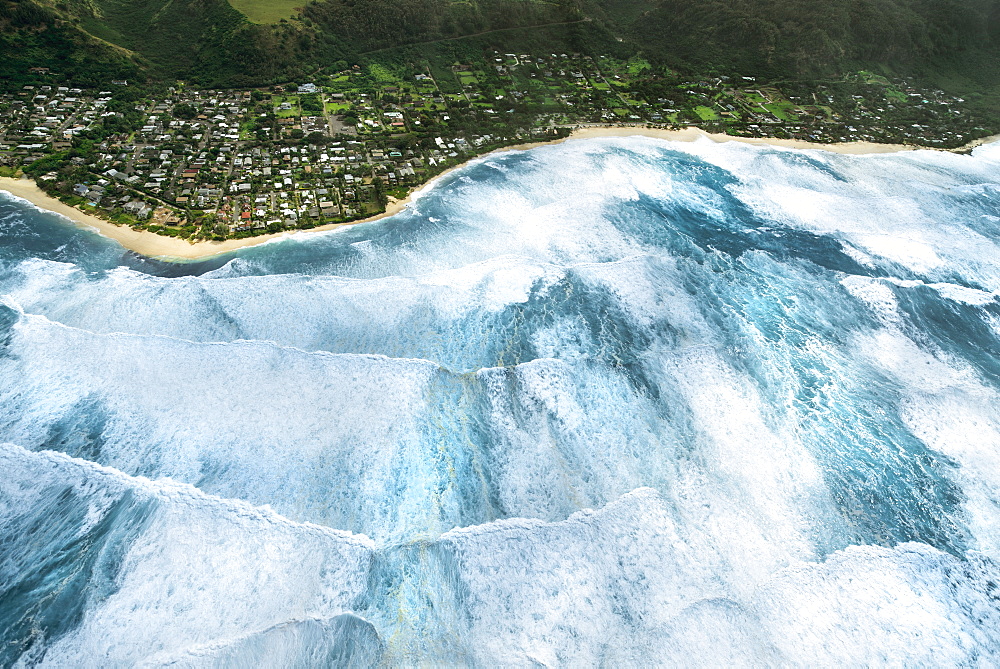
column 783, row 111
column 705, row 113
column 267, row 11
column 337, row 107
column 276, row 100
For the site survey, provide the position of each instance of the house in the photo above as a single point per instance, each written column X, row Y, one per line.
column 308, row 88
column 137, row 208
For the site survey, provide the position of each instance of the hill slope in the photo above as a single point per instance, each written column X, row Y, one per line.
column 35, row 36
column 211, row 43
column 784, row 37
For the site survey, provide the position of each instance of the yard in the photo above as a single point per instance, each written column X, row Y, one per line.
column 706, row 113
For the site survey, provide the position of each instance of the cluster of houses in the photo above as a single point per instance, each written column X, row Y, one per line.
column 193, row 152
column 45, row 118
column 255, row 159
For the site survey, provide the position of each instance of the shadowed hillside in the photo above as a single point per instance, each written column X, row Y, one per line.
column 783, row 37
column 379, row 24
column 32, row 36
column 211, row 43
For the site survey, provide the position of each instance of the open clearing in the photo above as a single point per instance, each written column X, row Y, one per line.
column 267, row 11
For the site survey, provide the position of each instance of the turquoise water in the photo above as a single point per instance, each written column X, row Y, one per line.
column 615, row 401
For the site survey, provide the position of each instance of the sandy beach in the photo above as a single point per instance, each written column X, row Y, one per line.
column 171, row 248
column 154, row 245
column 692, row 134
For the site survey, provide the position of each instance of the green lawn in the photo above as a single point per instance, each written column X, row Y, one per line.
column 706, row 113
column 782, row 111
column 267, row 11
column 276, row 100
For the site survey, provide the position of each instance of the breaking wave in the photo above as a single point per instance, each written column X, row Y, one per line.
column 613, row 401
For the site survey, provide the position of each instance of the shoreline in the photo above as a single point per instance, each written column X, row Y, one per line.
column 693, row 133
column 162, row 247
column 153, row 245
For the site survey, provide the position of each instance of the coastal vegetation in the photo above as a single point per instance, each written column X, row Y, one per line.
column 945, row 43
column 216, row 120
column 216, row 164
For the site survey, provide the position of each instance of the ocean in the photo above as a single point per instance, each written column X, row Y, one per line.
column 608, row 402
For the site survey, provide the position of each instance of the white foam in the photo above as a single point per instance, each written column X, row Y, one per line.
column 767, row 489
column 199, row 571
column 889, row 206
column 875, row 295
column 222, row 416
column 988, row 152
column 536, row 593
column 691, row 400
column 875, row 606
column 949, row 407
column 390, row 315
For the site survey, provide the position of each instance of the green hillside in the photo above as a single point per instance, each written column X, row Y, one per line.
column 378, row 24
column 34, row 36
column 790, row 36
column 953, row 43
column 210, row 42
column 205, row 41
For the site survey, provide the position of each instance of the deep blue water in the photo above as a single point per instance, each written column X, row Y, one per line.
column 619, row 402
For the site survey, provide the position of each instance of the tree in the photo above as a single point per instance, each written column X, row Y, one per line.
column 184, row 111
column 311, row 103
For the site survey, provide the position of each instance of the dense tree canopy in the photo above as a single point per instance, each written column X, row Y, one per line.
column 210, row 43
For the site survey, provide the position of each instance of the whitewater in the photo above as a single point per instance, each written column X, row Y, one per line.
column 612, row 402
